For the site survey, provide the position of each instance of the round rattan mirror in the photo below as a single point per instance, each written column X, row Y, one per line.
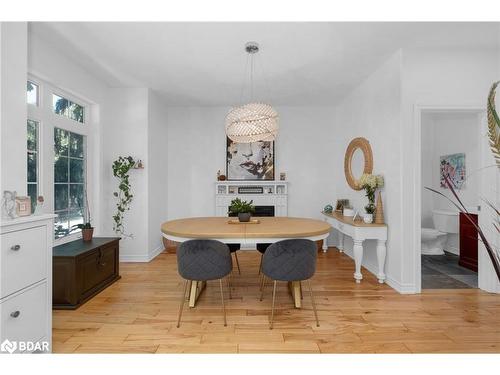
column 358, row 160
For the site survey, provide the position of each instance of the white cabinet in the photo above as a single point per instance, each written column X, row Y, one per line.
column 26, row 283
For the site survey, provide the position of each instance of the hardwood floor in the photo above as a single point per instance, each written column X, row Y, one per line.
column 138, row 315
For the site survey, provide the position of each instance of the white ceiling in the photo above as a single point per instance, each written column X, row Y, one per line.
column 204, row 63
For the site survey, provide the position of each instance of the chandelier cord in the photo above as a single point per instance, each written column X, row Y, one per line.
column 242, row 92
column 251, row 77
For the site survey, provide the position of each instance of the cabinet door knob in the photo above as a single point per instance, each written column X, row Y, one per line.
column 15, row 247
column 15, row 314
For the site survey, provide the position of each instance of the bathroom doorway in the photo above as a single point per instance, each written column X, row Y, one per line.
column 450, row 143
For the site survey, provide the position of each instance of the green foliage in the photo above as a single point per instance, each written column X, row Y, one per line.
column 370, row 208
column 493, row 125
column 238, row 206
column 121, row 168
column 83, row 226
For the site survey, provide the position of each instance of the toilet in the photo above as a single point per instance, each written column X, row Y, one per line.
column 434, row 239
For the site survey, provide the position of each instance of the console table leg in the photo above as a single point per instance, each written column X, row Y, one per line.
column 381, row 253
column 358, row 259
column 341, row 242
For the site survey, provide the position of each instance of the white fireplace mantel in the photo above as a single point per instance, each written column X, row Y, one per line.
column 274, row 193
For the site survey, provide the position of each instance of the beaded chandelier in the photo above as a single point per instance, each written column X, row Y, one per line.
column 252, row 122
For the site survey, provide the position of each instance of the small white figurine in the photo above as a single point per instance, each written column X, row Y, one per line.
column 9, row 204
column 39, row 206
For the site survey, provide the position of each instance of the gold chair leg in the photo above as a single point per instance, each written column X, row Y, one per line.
column 237, row 263
column 229, row 287
column 313, row 303
column 301, row 293
column 272, row 308
column 264, row 280
column 222, row 299
column 260, row 264
column 183, row 298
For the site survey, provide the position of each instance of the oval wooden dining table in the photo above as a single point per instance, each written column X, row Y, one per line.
column 224, row 229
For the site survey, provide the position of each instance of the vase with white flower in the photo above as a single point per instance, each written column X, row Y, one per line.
column 370, row 183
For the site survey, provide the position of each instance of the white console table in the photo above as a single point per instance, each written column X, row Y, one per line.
column 359, row 231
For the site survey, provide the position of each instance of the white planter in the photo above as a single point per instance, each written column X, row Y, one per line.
column 368, row 218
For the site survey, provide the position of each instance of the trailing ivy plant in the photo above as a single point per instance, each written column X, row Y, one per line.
column 121, row 169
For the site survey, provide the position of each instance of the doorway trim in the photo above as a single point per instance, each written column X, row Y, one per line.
column 417, row 170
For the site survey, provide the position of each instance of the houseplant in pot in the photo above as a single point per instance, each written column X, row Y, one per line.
column 86, row 226
column 370, row 183
column 242, row 209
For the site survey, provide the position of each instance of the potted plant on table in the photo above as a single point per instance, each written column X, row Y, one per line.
column 370, row 183
column 86, row 226
column 242, row 209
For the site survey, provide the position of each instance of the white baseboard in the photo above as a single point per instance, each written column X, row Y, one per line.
column 400, row 288
column 155, row 252
column 126, row 258
column 394, row 284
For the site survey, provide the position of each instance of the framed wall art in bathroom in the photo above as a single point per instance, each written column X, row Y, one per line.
column 453, row 166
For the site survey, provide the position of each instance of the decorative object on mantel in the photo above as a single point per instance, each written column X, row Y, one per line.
column 250, row 161
column 348, row 211
column 121, row 168
column 139, row 164
column 23, row 206
column 341, row 203
column 328, row 209
column 362, row 145
column 282, row 176
column 9, row 204
column 86, row 226
column 379, row 210
column 39, row 205
column 356, row 216
column 370, row 183
column 241, row 208
column 254, row 121
column 494, row 125
column 220, row 177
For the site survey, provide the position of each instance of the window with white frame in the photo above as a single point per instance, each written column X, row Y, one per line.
column 33, row 161
column 69, row 181
column 57, row 140
column 32, row 93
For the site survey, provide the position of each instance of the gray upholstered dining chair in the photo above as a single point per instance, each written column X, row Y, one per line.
column 203, row 260
column 290, row 260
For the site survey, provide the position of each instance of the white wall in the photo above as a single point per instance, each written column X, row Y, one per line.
column 46, row 62
column 13, row 68
column 124, row 121
column 427, row 161
column 372, row 111
column 125, row 133
column 157, row 172
column 445, row 78
column 305, row 150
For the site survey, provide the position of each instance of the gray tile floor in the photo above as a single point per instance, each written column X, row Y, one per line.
column 443, row 272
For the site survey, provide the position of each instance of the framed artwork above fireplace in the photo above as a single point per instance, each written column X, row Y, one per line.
column 250, row 161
